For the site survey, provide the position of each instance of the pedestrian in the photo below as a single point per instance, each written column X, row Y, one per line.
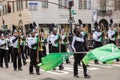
column 78, row 46
column 112, row 35
column 98, row 39
column 34, row 56
column 16, row 54
column 4, row 50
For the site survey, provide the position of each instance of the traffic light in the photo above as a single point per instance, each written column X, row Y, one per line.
column 71, row 3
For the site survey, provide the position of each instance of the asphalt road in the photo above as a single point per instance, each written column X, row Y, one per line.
column 97, row 72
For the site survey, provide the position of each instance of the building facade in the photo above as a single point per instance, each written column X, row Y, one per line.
column 47, row 12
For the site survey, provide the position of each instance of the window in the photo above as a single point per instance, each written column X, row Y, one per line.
column 80, row 4
column 26, row 3
column 117, row 4
column 8, row 8
column 84, row 4
column 19, row 5
column 0, row 13
column 60, row 3
column 65, row 3
column 103, row 5
column 5, row 9
column 13, row 6
column 89, row 4
column 45, row 4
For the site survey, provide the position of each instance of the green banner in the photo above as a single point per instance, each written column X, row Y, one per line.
column 105, row 53
column 53, row 60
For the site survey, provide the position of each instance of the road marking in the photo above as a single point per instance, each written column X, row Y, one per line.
column 105, row 66
column 58, row 72
column 93, row 68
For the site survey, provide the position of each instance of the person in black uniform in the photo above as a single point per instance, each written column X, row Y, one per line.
column 4, row 50
column 34, row 58
column 78, row 46
column 22, row 46
column 63, row 43
column 54, row 39
column 98, row 39
column 16, row 55
column 112, row 35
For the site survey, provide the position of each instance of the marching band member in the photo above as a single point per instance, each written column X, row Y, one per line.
column 98, row 39
column 4, row 50
column 63, row 43
column 16, row 55
column 22, row 46
column 33, row 44
column 54, row 39
column 112, row 35
column 78, row 46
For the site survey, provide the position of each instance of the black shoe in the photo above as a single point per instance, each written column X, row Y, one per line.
column 15, row 69
column 61, row 68
column 31, row 73
column 24, row 63
column 20, row 69
column 54, row 68
column 96, row 62
column 37, row 73
column 6, row 66
column 1, row 65
column 76, row 76
column 104, row 62
column 87, row 76
column 68, row 62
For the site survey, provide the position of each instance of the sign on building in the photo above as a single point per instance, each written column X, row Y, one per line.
column 94, row 15
column 33, row 6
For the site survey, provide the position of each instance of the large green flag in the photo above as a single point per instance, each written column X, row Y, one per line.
column 105, row 53
column 53, row 60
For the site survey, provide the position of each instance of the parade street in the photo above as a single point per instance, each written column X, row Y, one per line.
column 97, row 72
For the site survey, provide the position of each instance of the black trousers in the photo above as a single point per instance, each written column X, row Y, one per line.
column 23, row 54
column 33, row 61
column 50, row 48
column 4, row 56
column 16, row 59
column 44, row 51
column 64, row 49
column 110, row 41
column 96, row 45
column 77, row 59
column 27, row 51
column 10, row 54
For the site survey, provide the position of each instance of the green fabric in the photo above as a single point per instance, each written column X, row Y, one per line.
column 105, row 53
column 53, row 60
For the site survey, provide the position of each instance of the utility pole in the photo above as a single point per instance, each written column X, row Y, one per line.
column 71, row 3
